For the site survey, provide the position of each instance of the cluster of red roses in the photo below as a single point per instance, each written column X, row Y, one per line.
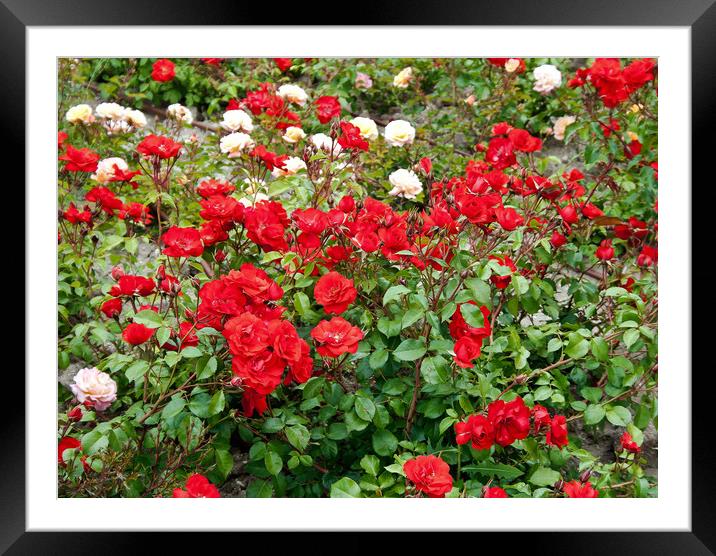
column 509, row 421
column 197, row 486
column 613, row 83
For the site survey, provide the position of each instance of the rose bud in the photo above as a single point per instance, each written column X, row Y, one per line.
column 521, row 379
column 219, row 256
column 584, row 477
column 75, row 414
column 236, row 382
column 117, row 272
column 559, row 485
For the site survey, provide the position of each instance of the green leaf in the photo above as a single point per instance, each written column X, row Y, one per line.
column 554, row 344
column 472, row 315
column 345, row 488
column 503, row 471
column 577, row 347
column 259, row 489
column 544, row 476
column 148, row 318
column 273, row 462
column 136, row 370
column 298, row 436
column 216, row 405
column 600, row 349
column 480, row 291
column 365, row 408
column 593, row 414
column 411, row 317
column 173, row 408
column 371, row 464
column 93, row 442
column 618, row 415
column 378, row 358
column 410, row 350
column 394, row 292
column 384, row 443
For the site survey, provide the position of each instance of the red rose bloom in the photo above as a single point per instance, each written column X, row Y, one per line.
column 209, row 188
column 501, row 282
column 430, row 475
column 160, row 146
column 163, row 70
column 575, row 489
column 557, row 432
column 327, row 108
column 112, row 307
column 336, row 337
column 67, row 442
column 510, row 419
column 261, row 372
column 605, row 251
column 493, row 492
column 508, row 218
column 477, row 429
column 136, row 333
column 541, row 417
column 557, row 240
column 628, row 444
column 283, row 63
column 247, row 335
column 128, row 284
column 648, row 256
column 80, row 160
column 197, row 486
column 182, row 242
column 334, row 292
column 255, row 283
column 351, row 137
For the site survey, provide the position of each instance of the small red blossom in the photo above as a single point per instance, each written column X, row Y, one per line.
column 163, row 70
column 429, row 474
column 336, row 337
column 197, row 486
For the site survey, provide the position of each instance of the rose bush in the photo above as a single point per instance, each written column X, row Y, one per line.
column 366, row 278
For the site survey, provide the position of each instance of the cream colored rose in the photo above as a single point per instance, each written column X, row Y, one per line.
column 368, row 128
column 135, row 118
column 399, row 133
column 235, row 143
column 180, row 113
column 512, row 65
column 293, row 93
column 91, row 384
column 105, row 169
column 292, row 165
column 560, row 126
column 325, row 143
column 237, row 120
column 403, row 79
column 547, row 78
column 405, row 184
column 110, row 111
column 293, row 134
column 80, row 114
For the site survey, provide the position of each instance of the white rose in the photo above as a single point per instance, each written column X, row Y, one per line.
column 325, row 143
column 95, row 386
column 403, row 79
column 293, row 93
column 512, row 65
column 405, row 184
column 135, row 118
column 110, row 111
column 293, row 134
column 237, row 120
column 292, row 165
column 105, row 169
column 547, row 78
column 398, row 133
column 368, row 129
column 560, row 126
column 235, row 143
column 180, row 113
column 80, row 114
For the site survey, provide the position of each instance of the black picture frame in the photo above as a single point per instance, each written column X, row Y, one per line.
column 699, row 15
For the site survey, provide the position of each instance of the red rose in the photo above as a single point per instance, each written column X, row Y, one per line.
column 557, row 432
column 628, row 444
column 252, row 402
column 501, row 282
column 508, row 218
column 575, row 489
column 605, row 251
column 477, row 429
column 112, row 307
column 283, row 63
column 336, row 337
column 128, row 284
column 541, row 417
column 160, row 146
column 136, row 333
column 67, row 442
column 80, row 160
column 209, row 188
column 649, row 256
column 182, row 242
column 591, row 211
column 327, row 108
column 255, row 283
column 225, row 209
column 569, row 214
column 557, row 240
column 163, row 70
column 246, row 335
column 430, row 475
column 266, row 226
column 500, row 153
column 523, row 141
column 105, row 199
column 511, row 420
column 334, row 292
column 261, row 372
column 493, row 492
column 351, row 137
column 197, row 486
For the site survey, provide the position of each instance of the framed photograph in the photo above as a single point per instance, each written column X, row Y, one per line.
column 360, row 278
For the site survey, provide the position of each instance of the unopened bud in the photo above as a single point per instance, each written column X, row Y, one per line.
column 521, row 379
column 559, row 485
column 584, row 477
column 117, row 272
column 236, row 382
column 75, row 414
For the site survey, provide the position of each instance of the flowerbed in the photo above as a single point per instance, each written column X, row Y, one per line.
column 368, row 278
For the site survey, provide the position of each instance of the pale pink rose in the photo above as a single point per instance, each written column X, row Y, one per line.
column 93, row 385
column 363, row 81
